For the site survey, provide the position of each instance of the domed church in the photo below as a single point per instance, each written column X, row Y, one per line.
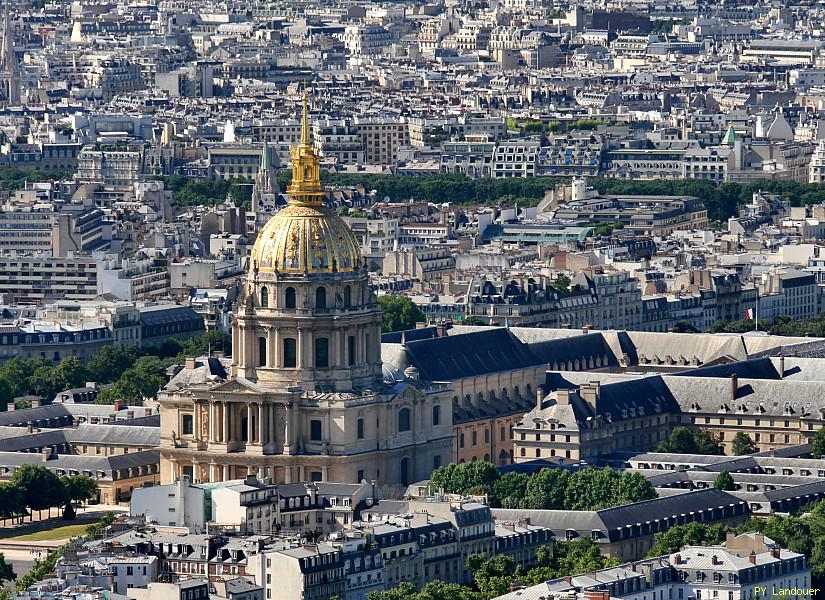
column 303, row 397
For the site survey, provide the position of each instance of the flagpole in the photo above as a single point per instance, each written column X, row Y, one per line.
column 757, row 309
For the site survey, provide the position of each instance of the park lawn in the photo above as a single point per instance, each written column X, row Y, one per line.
column 58, row 533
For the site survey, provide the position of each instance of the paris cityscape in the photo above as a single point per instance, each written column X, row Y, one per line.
column 412, row 300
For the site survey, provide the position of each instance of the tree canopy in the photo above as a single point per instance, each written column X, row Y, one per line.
column 742, row 444
column 398, row 313
column 724, row 481
column 587, row 489
column 688, row 440
column 689, row 534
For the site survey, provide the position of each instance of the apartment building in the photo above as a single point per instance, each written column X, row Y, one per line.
column 33, row 279
column 744, row 566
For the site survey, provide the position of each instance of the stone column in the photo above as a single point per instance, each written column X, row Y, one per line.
column 225, row 473
column 225, row 423
column 287, row 474
column 196, row 422
column 301, row 474
column 260, row 412
column 325, row 473
column 300, row 349
column 250, row 430
column 212, row 415
column 288, row 430
column 271, row 345
column 276, row 347
column 213, row 472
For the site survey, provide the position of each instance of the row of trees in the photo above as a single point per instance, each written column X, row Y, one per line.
column 187, row 191
column 689, row 440
column 41, row 569
column 804, row 533
column 493, row 576
column 135, row 373
column 721, row 200
column 587, row 489
column 35, row 488
column 782, row 325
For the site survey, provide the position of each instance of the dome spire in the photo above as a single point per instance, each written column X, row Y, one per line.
column 305, row 188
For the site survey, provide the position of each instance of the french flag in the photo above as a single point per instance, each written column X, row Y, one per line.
column 749, row 314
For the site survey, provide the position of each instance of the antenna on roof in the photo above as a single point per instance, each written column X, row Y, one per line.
column 209, row 350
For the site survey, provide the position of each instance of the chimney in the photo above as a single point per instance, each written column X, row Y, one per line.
column 590, row 392
column 714, row 560
column 10, row 407
column 563, row 397
column 734, row 386
column 30, row 426
column 585, row 329
column 539, row 396
column 782, row 366
column 676, row 559
column 775, row 552
column 47, row 454
column 752, row 558
column 118, row 405
column 441, row 329
column 190, row 362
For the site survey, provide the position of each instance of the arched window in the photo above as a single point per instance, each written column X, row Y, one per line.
column 289, row 298
column 264, row 297
column 261, row 351
column 290, row 353
column 322, row 352
column 321, row 297
column 436, row 415
column 404, row 420
column 347, row 296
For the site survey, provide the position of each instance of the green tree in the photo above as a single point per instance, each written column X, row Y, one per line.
column 690, row 534
column 70, row 373
column 684, row 440
column 464, row 478
column 41, row 488
column 398, row 313
column 510, row 490
column 818, row 443
column 546, row 490
column 562, row 283
column 565, row 559
column 79, row 488
column 472, row 320
column 492, row 576
column 724, row 481
column 110, row 362
column 6, row 572
column 11, row 501
column 743, row 444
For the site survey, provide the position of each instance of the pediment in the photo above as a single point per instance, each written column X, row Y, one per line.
column 236, row 385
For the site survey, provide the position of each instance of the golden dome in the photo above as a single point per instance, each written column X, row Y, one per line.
column 306, row 237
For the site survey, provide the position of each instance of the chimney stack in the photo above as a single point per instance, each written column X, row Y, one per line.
column 190, row 362
column 782, row 366
column 752, row 558
column 734, row 386
column 118, row 405
column 539, row 396
column 563, row 397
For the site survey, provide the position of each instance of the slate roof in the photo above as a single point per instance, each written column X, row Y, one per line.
column 121, row 435
column 610, row 520
column 20, row 418
column 469, row 355
column 755, row 368
column 164, row 315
